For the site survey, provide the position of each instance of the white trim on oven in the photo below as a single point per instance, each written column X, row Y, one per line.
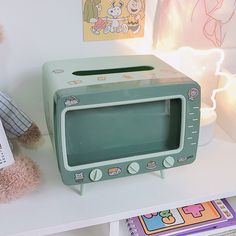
column 121, row 160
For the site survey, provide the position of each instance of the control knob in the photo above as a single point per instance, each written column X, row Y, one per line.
column 95, row 175
column 133, row 168
column 169, row 162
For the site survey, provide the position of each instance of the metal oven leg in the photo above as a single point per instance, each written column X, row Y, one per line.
column 79, row 189
column 162, row 174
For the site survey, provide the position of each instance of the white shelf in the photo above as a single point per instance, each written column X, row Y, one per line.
column 104, row 229
column 56, row 208
column 98, row 230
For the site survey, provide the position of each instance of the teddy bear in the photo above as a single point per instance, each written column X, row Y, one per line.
column 23, row 176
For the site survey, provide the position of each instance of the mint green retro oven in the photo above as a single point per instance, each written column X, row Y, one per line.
column 113, row 117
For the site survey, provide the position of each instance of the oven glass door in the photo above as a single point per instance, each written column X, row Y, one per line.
column 121, row 131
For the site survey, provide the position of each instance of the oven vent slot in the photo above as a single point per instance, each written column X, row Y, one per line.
column 112, row 70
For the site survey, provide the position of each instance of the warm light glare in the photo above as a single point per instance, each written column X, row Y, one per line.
column 170, row 42
column 171, row 23
column 218, row 71
column 203, row 66
column 230, row 96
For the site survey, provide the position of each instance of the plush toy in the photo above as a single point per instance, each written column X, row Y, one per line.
column 23, row 176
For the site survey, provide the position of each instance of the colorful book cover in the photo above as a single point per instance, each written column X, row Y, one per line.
column 182, row 221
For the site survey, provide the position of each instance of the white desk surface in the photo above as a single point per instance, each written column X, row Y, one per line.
column 54, row 207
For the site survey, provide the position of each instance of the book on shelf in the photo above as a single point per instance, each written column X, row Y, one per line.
column 6, row 156
column 185, row 220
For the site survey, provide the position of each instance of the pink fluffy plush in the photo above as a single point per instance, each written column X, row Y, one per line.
column 18, row 179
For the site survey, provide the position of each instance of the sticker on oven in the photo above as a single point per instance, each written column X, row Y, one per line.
column 151, row 165
column 71, row 101
column 193, row 93
column 114, row 171
column 79, row 177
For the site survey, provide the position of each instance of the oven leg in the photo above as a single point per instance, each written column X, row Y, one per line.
column 114, row 228
column 162, row 174
column 81, row 189
column 78, row 189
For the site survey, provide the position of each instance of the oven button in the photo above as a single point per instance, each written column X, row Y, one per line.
column 95, row 175
column 133, row 168
column 169, row 162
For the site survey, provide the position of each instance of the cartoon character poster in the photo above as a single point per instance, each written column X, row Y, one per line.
column 113, row 19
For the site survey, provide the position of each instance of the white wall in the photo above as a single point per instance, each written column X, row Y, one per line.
column 39, row 31
column 226, row 109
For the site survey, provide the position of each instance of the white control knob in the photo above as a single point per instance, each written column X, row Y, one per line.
column 169, row 162
column 95, row 175
column 133, row 168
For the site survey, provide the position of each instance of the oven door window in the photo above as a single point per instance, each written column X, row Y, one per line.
column 116, row 132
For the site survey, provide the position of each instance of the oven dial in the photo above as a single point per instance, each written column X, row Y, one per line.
column 95, row 175
column 169, row 162
column 133, row 168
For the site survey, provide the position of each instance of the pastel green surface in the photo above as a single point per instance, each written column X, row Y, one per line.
column 98, row 134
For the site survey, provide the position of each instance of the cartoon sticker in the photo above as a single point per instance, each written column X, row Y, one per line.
column 151, row 165
column 114, row 171
column 71, row 101
column 193, row 93
column 79, row 177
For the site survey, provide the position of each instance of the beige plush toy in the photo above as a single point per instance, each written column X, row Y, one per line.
column 23, row 176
